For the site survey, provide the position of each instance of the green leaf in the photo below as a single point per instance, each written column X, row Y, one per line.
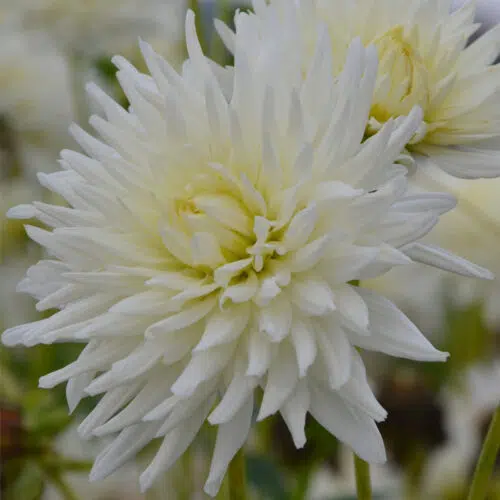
column 106, row 68
column 50, row 423
column 377, row 496
column 10, row 387
column 28, row 485
column 467, row 339
column 44, row 416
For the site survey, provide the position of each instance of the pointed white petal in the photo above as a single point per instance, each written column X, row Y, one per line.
column 393, row 333
column 281, row 381
column 130, row 441
column 174, row 445
column 101, row 358
column 236, row 395
column 348, row 424
column 304, row 341
column 352, row 308
column 241, row 292
column 183, row 319
column 300, row 228
column 336, row 352
column 224, row 326
column 347, row 263
column 314, row 297
column 203, row 366
column 276, row 319
column 206, row 250
column 294, row 413
column 463, row 162
column 308, row 256
column 358, row 393
column 110, row 403
column 230, row 438
column 144, row 303
column 22, row 212
column 260, row 351
column 442, row 259
column 75, row 389
column 154, row 391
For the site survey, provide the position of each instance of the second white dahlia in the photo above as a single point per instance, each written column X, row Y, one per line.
column 207, row 252
column 424, row 61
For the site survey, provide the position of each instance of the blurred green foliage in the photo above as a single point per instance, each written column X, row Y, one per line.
column 31, row 421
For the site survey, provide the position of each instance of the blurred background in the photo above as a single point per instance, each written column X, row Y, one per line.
column 438, row 413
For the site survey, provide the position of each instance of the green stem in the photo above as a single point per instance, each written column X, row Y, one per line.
column 187, row 477
column 414, row 474
column 302, row 486
column 486, row 462
column 237, row 477
column 363, row 485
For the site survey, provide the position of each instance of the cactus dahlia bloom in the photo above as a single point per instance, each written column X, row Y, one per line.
column 424, row 61
column 206, row 253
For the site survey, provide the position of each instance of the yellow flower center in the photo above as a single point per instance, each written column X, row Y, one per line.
column 403, row 78
column 223, row 230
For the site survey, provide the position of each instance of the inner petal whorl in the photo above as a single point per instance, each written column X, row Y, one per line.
column 246, row 251
column 403, row 78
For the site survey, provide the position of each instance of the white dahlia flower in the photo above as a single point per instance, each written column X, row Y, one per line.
column 424, row 61
column 207, row 252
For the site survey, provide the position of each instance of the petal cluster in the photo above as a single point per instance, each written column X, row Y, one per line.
column 209, row 247
column 424, row 61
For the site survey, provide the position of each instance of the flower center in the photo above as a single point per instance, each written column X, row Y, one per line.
column 225, row 218
column 403, row 78
column 221, row 228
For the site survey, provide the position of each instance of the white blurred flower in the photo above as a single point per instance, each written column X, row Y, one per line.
column 475, row 400
column 35, row 99
column 213, row 233
column 100, row 26
column 423, row 61
column 326, row 484
column 122, row 485
column 468, row 407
